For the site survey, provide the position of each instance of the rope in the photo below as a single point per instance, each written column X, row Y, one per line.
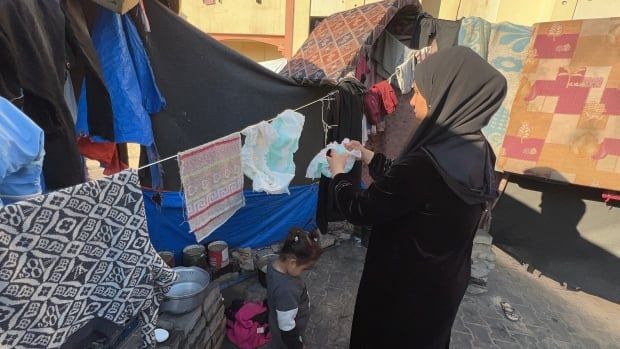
column 327, row 97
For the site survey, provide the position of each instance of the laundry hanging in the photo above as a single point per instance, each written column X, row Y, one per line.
column 403, row 75
column 33, row 54
column 380, row 101
column 389, row 53
column 105, row 152
column 212, row 179
column 21, row 155
column 504, row 46
column 129, row 77
column 267, row 154
column 75, row 255
column 319, row 166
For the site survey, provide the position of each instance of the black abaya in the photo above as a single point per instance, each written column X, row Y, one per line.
column 418, row 261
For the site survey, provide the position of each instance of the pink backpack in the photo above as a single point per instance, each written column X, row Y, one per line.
column 246, row 333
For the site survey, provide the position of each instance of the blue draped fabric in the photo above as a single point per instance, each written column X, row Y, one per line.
column 265, row 219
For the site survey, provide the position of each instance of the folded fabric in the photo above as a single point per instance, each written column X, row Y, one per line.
column 21, row 155
column 267, row 154
column 319, row 166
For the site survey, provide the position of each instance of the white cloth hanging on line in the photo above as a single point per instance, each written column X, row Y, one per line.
column 267, row 154
column 319, row 166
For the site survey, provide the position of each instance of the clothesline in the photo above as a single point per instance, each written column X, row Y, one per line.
column 327, row 97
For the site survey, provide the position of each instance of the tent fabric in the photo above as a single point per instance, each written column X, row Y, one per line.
column 332, row 50
column 265, row 219
column 504, row 46
column 275, row 65
column 212, row 91
column 565, row 120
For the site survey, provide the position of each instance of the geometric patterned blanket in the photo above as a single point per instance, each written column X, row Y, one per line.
column 565, row 119
column 212, row 179
column 333, row 48
column 76, row 254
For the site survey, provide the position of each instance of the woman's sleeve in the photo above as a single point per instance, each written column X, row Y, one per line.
column 379, row 165
column 391, row 196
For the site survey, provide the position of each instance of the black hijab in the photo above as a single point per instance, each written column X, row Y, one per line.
column 463, row 92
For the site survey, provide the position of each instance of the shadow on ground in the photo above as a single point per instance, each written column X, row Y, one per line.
column 565, row 232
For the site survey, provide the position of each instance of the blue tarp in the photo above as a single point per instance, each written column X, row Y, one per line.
column 265, row 219
column 129, row 78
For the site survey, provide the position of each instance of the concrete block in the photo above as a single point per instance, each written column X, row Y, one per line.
column 183, row 322
column 343, row 235
column 211, row 300
column 327, row 240
column 213, row 310
column 218, row 344
column 217, row 322
column 219, row 332
column 276, row 248
column 199, row 329
column 483, row 237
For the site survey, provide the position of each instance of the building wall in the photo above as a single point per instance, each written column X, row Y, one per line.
column 236, row 16
column 249, row 18
column 256, row 51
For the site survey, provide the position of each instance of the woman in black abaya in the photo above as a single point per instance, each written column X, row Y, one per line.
column 424, row 206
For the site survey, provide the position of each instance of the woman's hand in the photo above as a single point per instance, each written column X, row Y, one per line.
column 336, row 162
column 367, row 155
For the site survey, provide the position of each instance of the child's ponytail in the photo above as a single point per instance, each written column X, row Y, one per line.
column 302, row 246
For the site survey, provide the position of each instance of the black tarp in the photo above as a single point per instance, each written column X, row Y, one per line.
column 212, row 91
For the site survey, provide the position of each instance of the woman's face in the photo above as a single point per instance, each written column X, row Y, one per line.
column 419, row 104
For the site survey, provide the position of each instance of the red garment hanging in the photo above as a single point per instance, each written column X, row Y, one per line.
column 379, row 101
column 104, row 152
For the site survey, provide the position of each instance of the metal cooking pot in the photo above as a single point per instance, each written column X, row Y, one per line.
column 188, row 292
column 262, row 264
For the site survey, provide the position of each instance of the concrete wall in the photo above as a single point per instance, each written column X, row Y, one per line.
column 256, row 51
column 301, row 23
column 236, row 17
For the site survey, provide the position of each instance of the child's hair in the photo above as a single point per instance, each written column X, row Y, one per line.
column 302, row 246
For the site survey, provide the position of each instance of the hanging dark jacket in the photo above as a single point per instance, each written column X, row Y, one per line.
column 36, row 41
column 347, row 113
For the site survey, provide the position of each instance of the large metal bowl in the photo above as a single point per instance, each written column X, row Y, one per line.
column 188, row 292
